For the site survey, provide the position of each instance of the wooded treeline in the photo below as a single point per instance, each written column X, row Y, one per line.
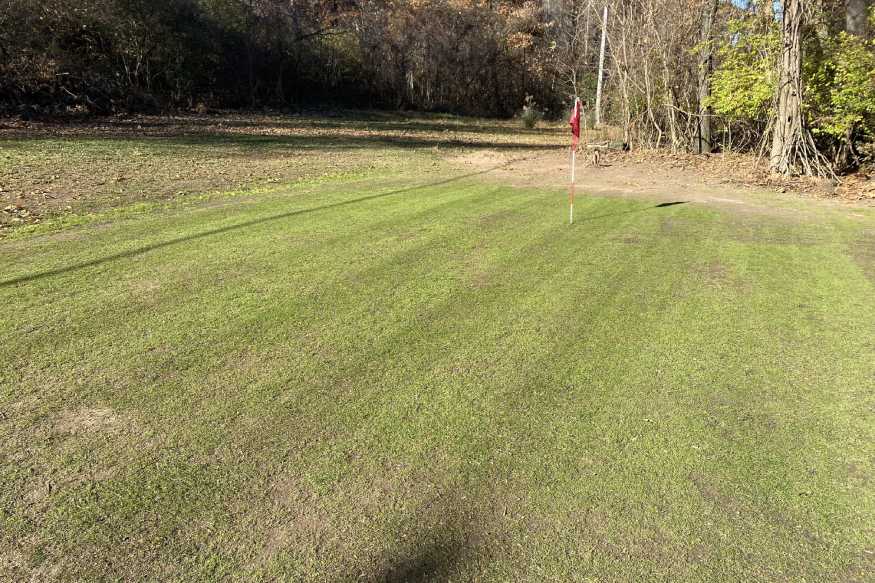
column 794, row 79
column 436, row 55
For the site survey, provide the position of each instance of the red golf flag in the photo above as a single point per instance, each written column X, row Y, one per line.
column 575, row 124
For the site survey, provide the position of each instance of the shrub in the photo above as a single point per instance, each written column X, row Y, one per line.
column 743, row 85
column 852, row 90
column 531, row 115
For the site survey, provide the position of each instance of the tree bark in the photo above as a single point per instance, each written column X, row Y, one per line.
column 706, row 64
column 793, row 149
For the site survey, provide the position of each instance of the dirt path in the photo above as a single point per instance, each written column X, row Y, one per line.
column 636, row 176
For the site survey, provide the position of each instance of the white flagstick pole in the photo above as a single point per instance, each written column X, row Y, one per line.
column 571, row 193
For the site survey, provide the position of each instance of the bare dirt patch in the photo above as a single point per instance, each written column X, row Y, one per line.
column 304, row 523
column 90, row 419
column 724, row 181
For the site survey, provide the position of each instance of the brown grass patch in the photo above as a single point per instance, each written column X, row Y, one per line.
column 473, row 267
column 735, row 508
column 297, row 522
column 94, row 419
column 496, row 218
column 857, row 474
column 289, row 491
column 145, row 287
column 861, row 570
column 629, row 239
column 713, row 495
column 714, row 273
column 480, row 280
column 408, row 525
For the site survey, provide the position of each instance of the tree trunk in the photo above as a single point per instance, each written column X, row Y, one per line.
column 706, row 63
column 670, row 102
column 598, row 94
column 793, row 149
column 856, row 16
column 622, row 64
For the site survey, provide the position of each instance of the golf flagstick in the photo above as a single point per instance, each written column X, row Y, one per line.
column 575, row 139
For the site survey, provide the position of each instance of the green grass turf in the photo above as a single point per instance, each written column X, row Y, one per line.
column 375, row 380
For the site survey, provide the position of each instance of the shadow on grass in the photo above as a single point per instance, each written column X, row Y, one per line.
column 155, row 246
column 440, row 542
column 641, row 210
column 243, row 225
column 435, row 558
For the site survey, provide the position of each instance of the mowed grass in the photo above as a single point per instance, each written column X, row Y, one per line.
column 392, row 380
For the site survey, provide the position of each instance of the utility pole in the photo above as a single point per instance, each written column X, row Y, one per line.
column 598, row 92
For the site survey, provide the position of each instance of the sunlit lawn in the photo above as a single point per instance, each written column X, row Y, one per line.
column 413, row 379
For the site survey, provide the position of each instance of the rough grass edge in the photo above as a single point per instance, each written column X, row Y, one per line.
column 60, row 222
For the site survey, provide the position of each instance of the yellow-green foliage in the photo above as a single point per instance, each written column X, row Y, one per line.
column 850, row 82
column 743, row 85
column 838, row 76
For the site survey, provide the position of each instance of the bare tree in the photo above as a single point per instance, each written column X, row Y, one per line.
column 571, row 42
